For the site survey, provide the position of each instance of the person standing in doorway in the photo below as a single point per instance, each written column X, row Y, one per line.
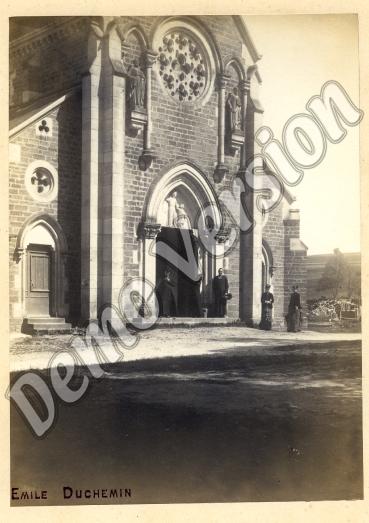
column 294, row 311
column 267, row 300
column 220, row 290
column 166, row 297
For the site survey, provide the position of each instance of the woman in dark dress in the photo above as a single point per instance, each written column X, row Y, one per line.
column 294, row 311
column 267, row 300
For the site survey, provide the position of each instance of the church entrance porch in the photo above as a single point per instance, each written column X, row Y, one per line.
column 182, row 243
column 175, row 260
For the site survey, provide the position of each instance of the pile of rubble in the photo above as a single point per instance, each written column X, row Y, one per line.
column 332, row 310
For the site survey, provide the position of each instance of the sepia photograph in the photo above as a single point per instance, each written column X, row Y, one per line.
column 185, row 299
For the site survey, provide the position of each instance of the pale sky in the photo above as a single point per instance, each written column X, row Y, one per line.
column 300, row 54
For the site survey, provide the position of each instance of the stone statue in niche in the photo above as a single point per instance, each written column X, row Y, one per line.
column 233, row 108
column 172, row 209
column 137, row 85
column 177, row 216
column 182, row 221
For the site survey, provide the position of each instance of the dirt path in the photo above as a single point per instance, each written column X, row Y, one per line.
column 36, row 352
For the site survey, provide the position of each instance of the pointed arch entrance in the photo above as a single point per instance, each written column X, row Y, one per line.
column 181, row 207
column 40, row 251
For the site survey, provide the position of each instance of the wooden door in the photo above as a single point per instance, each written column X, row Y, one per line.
column 38, row 281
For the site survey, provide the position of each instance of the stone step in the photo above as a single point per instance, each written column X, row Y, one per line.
column 51, row 327
column 42, row 319
column 184, row 321
column 46, row 325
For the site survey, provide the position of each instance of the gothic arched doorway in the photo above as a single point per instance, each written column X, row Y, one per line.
column 180, row 207
column 40, row 249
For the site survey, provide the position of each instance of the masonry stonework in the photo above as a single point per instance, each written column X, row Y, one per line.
column 111, row 157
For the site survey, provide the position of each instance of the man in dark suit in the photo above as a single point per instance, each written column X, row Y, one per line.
column 166, row 296
column 220, row 290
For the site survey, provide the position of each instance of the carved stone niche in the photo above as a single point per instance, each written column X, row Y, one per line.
column 234, row 129
column 237, row 141
column 137, row 121
column 136, row 99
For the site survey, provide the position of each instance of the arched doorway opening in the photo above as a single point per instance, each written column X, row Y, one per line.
column 39, row 288
column 41, row 247
column 181, row 208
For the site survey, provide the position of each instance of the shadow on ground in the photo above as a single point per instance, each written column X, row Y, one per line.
column 277, row 424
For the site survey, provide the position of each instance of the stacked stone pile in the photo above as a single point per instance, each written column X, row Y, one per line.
column 329, row 309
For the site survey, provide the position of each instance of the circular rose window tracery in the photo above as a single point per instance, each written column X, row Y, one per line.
column 41, row 181
column 182, row 66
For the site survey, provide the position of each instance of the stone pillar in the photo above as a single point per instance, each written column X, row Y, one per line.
column 112, row 122
column 221, row 169
column 245, row 89
column 147, row 156
column 90, row 175
column 148, row 233
column 251, row 237
column 20, row 284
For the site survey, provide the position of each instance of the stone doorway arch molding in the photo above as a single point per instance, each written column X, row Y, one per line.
column 202, row 205
column 59, row 247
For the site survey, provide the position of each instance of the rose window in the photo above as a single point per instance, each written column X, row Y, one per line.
column 182, row 66
column 41, row 182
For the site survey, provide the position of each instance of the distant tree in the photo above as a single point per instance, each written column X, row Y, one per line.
column 354, row 283
column 335, row 276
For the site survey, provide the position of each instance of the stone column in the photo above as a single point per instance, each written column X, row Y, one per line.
column 221, row 169
column 251, row 237
column 20, row 283
column 90, row 175
column 244, row 89
column 147, row 156
column 148, row 233
column 112, row 122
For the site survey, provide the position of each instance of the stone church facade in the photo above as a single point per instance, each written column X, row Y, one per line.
column 125, row 131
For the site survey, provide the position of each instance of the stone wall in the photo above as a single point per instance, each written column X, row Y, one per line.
column 53, row 63
column 47, row 62
column 273, row 239
column 179, row 133
column 295, row 271
column 62, row 149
